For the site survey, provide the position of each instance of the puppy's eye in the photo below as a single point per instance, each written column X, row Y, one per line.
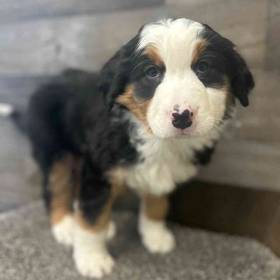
column 152, row 72
column 202, row 67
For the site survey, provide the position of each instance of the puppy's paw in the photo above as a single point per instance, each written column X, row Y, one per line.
column 156, row 237
column 93, row 264
column 63, row 231
column 159, row 240
column 111, row 231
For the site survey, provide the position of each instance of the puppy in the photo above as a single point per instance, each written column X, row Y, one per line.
column 147, row 121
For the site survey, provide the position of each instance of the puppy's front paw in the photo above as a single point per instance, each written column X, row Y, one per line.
column 155, row 236
column 159, row 240
column 94, row 264
column 63, row 231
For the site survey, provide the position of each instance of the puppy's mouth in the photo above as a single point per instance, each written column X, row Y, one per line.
column 187, row 132
column 196, row 129
column 193, row 131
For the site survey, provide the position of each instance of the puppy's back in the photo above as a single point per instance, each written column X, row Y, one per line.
column 55, row 112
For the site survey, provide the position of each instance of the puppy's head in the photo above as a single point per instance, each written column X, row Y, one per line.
column 177, row 77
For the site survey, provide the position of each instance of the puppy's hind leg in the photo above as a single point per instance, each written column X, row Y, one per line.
column 93, row 217
column 60, row 188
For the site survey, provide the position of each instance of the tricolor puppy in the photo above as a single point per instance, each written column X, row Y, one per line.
column 147, row 121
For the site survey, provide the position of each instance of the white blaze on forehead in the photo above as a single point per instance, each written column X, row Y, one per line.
column 175, row 41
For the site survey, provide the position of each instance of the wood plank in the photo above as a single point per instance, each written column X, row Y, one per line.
column 18, row 10
column 245, row 163
column 261, row 120
column 254, row 54
column 273, row 36
column 17, row 90
column 48, row 46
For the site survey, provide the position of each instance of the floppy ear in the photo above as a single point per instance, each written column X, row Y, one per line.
column 242, row 81
column 114, row 75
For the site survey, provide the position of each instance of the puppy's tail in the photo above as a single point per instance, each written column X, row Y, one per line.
column 16, row 115
column 6, row 110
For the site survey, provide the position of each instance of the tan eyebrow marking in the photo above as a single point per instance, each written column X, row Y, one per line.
column 198, row 50
column 153, row 54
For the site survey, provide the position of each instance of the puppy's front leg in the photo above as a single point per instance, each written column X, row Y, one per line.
column 156, row 237
column 93, row 224
column 90, row 253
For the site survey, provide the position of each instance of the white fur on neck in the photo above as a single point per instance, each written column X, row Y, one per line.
column 166, row 162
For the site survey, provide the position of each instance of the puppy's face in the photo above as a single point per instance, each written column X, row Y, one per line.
column 179, row 78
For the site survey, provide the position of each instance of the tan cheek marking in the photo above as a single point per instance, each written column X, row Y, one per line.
column 139, row 109
column 155, row 208
column 61, row 186
column 127, row 99
column 198, row 50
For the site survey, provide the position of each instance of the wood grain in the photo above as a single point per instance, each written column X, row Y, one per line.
column 18, row 10
column 261, row 120
column 48, row 46
column 273, row 36
column 17, row 90
column 245, row 163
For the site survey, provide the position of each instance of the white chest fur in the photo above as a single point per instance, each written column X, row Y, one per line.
column 166, row 163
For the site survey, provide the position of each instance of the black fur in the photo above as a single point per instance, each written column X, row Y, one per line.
column 114, row 75
column 225, row 64
column 204, row 156
column 94, row 192
column 69, row 115
column 144, row 86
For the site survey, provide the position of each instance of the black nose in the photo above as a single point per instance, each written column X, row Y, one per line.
column 182, row 120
